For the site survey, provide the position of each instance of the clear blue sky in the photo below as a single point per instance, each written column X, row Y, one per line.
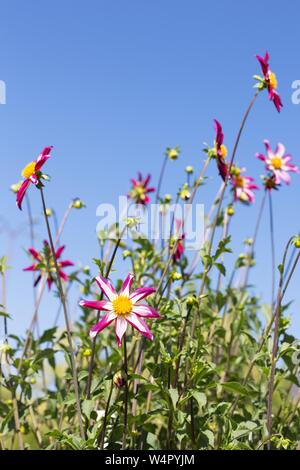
column 111, row 84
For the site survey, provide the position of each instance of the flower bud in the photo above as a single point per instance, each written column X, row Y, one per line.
column 77, row 203
column 167, row 198
column 189, row 170
column 173, row 153
column 15, row 187
column 5, row 348
column 230, row 211
column 185, row 193
column 119, row 379
column 126, row 254
column 296, row 241
column 175, row 276
column 87, row 352
column 49, row 212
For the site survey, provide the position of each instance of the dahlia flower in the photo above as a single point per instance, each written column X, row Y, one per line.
column 123, row 308
column 242, row 186
column 140, row 189
column 44, row 264
column 221, row 151
column 278, row 163
column 32, row 174
column 269, row 81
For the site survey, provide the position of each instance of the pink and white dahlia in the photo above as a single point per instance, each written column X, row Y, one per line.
column 123, row 308
column 242, row 186
column 278, row 162
column 44, row 264
column 31, row 173
column 269, row 81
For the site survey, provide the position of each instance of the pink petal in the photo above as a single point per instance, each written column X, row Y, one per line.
column 21, row 193
column 121, row 326
column 103, row 323
column 63, row 276
column 140, row 325
column 126, row 286
column 280, row 149
column 33, row 267
column 268, row 149
column 145, row 311
column 59, row 251
column 66, row 263
column 49, row 282
column 106, row 287
column 261, row 157
column 141, row 293
column 96, row 304
column 34, row 179
column 34, row 253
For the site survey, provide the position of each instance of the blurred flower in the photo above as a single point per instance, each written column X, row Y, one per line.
column 179, row 240
column 189, row 170
column 278, row 162
column 184, row 192
column 15, row 187
column 230, row 210
column 44, row 264
column 173, row 153
column 77, row 203
column 124, row 308
column 49, row 212
column 268, row 81
column 269, row 182
column 296, row 241
column 140, row 189
column 242, row 186
column 32, row 174
column 175, row 276
column 119, row 379
column 220, row 151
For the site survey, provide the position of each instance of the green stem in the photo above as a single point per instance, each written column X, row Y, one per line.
column 125, row 396
column 66, row 315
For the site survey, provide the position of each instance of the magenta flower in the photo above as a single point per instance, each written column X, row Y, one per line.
column 270, row 81
column 44, row 264
column 31, row 173
column 278, row 162
column 221, row 151
column 179, row 250
column 140, row 189
column 242, row 186
column 124, row 308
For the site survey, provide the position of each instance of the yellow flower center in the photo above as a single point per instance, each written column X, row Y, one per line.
column 29, row 170
column 239, row 181
column 273, row 80
column 223, row 151
column 277, row 163
column 122, row 305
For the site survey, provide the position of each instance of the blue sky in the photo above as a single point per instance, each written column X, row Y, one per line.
column 111, row 84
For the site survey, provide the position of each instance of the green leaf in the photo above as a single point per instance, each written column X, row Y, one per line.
column 174, row 396
column 200, row 398
column 235, row 387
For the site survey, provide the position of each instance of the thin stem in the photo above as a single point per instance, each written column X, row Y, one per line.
column 272, row 248
column 69, row 334
column 126, row 396
column 105, row 415
column 92, row 359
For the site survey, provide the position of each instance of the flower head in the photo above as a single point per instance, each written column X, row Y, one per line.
column 220, row 151
column 32, row 174
column 278, row 163
column 123, row 308
column 140, row 189
column 242, row 186
column 44, row 264
column 269, row 81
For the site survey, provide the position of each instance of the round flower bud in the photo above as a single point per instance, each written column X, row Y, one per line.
column 78, row 203
column 5, row 348
column 15, row 187
column 189, row 170
column 185, row 194
column 126, row 254
column 87, row 352
column 167, row 198
column 49, row 212
column 119, row 379
column 175, row 276
column 32, row 381
column 230, row 211
column 173, row 153
column 296, row 241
